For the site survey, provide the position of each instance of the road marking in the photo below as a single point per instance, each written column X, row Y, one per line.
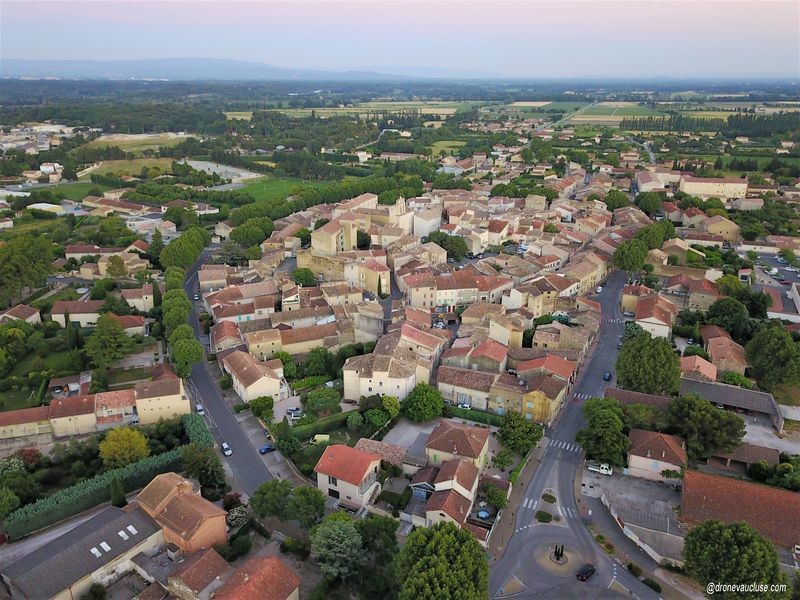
column 581, row 396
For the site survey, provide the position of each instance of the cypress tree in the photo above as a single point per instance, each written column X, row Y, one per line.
column 117, row 493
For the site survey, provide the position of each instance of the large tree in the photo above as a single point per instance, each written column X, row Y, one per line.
column 304, row 277
column 319, row 362
column 185, row 354
column 616, row 199
column 337, row 546
column 603, row 438
column 270, row 498
column 649, row 202
column 379, row 535
column 518, row 434
column 773, row 356
column 442, row 561
column 203, row 463
column 307, row 505
column 705, row 428
column 323, row 400
column 455, row 245
column 123, row 446
column 630, row 256
column 731, row 553
column 423, row 403
column 25, row 262
column 730, row 314
column 649, row 365
column 108, row 343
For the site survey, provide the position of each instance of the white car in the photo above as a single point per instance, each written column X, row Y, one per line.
column 465, row 405
column 226, row 449
column 599, row 289
column 198, row 408
column 791, row 269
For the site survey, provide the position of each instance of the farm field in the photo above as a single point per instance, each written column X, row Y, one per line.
column 446, row 145
column 545, row 107
column 524, row 104
column 244, row 115
column 275, row 189
column 138, row 142
column 427, row 108
column 75, row 191
column 130, row 167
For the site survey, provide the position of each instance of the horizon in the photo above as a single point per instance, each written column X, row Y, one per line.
column 537, row 40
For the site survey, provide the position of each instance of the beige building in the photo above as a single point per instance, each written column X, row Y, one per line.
column 451, row 441
column 651, row 453
column 655, row 314
column 253, row 378
column 74, row 415
column 83, row 312
column 713, row 187
column 161, row 399
column 719, row 225
column 348, row 475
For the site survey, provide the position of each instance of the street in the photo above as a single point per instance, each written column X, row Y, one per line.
column 246, row 464
column 556, row 474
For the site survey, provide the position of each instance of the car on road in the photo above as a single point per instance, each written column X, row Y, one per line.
column 629, row 314
column 599, row 289
column 226, row 449
column 607, row 376
column 619, row 345
column 791, row 269
column 585, row 571
column 198, row 408
column 266, row 448
column 480, row 255
column 197, row 296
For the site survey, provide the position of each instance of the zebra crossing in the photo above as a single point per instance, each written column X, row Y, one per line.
column 567, row 446
column 569, row 513
column 530, row 503
column 581, row 396
column 613, row 320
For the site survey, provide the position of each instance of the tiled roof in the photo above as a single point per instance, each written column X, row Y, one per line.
column 159, row 489
column 551, row 363
column 731, row 395
column 461, row 440
column 306, row 334
column 246, row 368
column 449, row 502
column 466, row 378
column 71, row 407
column 709, row 332
column 21, row 311
column 128, row 321
column 159, row 387
column 772, row 511
column 658, row 446
column 76, row 307
column 184, row 514
column 655, row 306
column 115, row 399
column 345, row 463
column 24, row 415
column 260, row 578
column 751, row 454
column 388, row 452
column 626, row 397
column 200, row 569
column 461, row 471
column 698, row 364
column 491, row 349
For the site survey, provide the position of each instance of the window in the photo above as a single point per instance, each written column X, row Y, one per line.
column 333, row 480
column 528, row 416
column 333, row 494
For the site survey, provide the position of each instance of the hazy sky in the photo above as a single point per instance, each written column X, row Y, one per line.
column 523, row 38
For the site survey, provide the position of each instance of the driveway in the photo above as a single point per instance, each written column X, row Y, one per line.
column 410, row 435
column 761, row 433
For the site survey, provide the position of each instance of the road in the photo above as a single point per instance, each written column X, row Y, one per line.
column 556, row 474
column 247, row 466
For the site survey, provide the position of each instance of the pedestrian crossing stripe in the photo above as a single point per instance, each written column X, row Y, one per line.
column 568, row 446
column 581, row 396
column 613, row 320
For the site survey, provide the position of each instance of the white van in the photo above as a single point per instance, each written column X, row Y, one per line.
column 602, row 468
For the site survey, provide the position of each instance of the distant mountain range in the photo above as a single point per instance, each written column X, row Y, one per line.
column 215, row 69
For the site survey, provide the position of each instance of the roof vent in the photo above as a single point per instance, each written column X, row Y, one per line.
column 123, row 535
column 105, row 546
column 96, row 552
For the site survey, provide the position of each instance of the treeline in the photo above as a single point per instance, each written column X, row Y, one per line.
column 748, row 124
column 677, row 122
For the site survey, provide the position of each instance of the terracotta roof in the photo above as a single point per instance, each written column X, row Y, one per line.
column 461, row 440
column 491, row 349
column 698, row 364
column 551, row 363
column 184, row 514
column 163, row 371
column 466, row 378
column 709, row 332
column 200, row 569
column 658, row 446
column 128, row 321
column 345, row 463
column 115, row 399
column 76, row 307
column 655, row 306
column 159, row 489
column 24, row 415
column 751, row 454
column 461, row 471
column 767, row 509
column 388, row 452
column 159, row 387
column 306, row 334
column 223, row 330
column 449, row 502
column 260, row 578
column 549, row 385
column 722, row 348
column 71, row 407
column 21, row 311
column 247, row 368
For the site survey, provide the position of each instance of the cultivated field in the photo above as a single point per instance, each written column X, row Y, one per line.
column 138, row 142
column 524, row 104
column 446, row 145
column 443, row 109
column 243, row 115
column 611, row 113
column 129, row 167
column 275, row 189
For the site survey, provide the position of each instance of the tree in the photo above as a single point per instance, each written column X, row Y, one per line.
column 363, row 240
column 379, row 536
column 616, row 199
column 185, row 354
column 337, row 547
column 304, row 235
column 730, row 314
column 376, row 417
column 442, row 561
column 731, row 553
column 494, row 495
column 696, row 351
column 603, row 438
column 157, row 296
column 643, row 416
column 95, row 592
column 289, row 366
column 318, row 362
column 323, row 400
column 156, row 244
column 304, row 277
column 231, row 253
column 181, row 332
column 518, row 434
column 108, row 343
column 550, row 228
column 270, row 499
column 648, row 365
column 391, row 405
column 116, row 267
column 307, row 505
column 117, row 493
column 773, row 356
column 733, row 378
column 9, row 502
column 423, row 403
column 262, row 407
column 173, row 278
column 355, row 421
column 25, row 262
column 455, row 246
column 705, row 428
column 202, row 463
column 629, row 256
column 649, row 202
column 123, row 446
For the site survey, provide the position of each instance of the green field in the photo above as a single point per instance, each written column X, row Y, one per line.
column 137, row 143
column 75, row 191
column 130, row 167
column 57, row 361
column 620, row 111
column 372, row 107
column 47, row 303
column 275, row 189
column 447, row 145
column 551, row 106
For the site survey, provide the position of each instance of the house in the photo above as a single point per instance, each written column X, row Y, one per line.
column 348, row 475
column 74, row 415
column 727, row 355
column 130, row 324
column 22, row 312
column 465, row 386
column 538, row 397
column 141, row 298
column 375, row 373
column 199, row 575
column 743, row 457
column 719, row 225
column 449, row 441
column 698, row 368
column 767, row 509
column 188, row 521
column 97, row 550
column 25, row 425
column 655, row 314
column 693, row 217
column 161, row 399
column 631, row 294
column 651, row 453
column 760, row 406
column 84, row 313
column 253, row 378
column 261, row 578
column 225, row 335
column 720, row 187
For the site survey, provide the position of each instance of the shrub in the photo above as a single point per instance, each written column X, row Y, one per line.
column 237, row 547
column 609, row 548
column 240, row 407
column 197, row 430
column 477, row 415
column 405, row 497
column 549, row 498
column 295, row 546
column 601, row 539
column 635, row 570
column 653, row 585
column 543, row 516
column 309, row 382
column 237, row 516
column 512, row 477
column 231, row 500
column 323, row 425
column 225, row 382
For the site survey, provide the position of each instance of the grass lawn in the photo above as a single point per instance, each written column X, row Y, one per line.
column 244, row 115
column 137, row 143
column 276, row 189
column 57, row 361
column 787, row 394
column 47, row 303
column 117, row 376
column 16, row 399
column 791, row 425
column 446, row 145
column 75, row 191
column 131, row 167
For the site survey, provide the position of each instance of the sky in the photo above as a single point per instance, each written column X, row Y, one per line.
column 515, row 38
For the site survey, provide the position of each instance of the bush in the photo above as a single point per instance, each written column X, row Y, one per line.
column 543, row 516
column 635, row 570
column 512, row 477
column 323, row 425
column 609, row 548
column 405, row 497
column 477, row 415
column 225, row 382
column 549, row 498
column 240, row 407
column 309, row 382
column 197, row 430
column 231, row 500
column 236, row 548
column 390, row 497
column 653, row 585
column 238, row 516
column 297, row 547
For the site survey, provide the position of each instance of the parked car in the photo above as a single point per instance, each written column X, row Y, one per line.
column 628, row 313
column 294, row 410
column 226, row 449
column 438, row 325
column 690, row 341
column 266, row 448
column 607, row 376
column 791, row 269
column 465, row 405
column 585, row 571
column 198, row 408
column 602, row 468
column 599, row 289
column 480, row 256
column 197, row 296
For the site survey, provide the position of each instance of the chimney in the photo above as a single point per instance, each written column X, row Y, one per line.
column 663, row 453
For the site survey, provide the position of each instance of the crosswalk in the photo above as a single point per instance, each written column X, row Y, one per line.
column 568, row 513
column 567, row 446
column 530, row 503
column 613, row 320
column 581, row 396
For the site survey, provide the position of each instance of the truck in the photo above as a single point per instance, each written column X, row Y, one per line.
column 602, row 468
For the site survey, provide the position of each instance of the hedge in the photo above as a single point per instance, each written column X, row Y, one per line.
column 323, row 425
column 86, row 494
column 309, row 382
column 477, row 415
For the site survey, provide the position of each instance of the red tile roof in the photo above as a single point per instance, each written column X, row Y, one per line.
column 772, row 511
column 658, row 307
column 115, row 399
column 461, row 440
column 491, row 349
column 21, row 311
column 128, row 321
column 24, row 415
column 449, row 502
column 260, row 578
column 551, row 363
column 200, row 569
column 76, row 307
column 346, row 463
column 658, row 446
column 71, row 407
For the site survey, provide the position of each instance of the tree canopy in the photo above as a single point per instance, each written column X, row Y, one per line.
column 337, row 546
column 649, row 365
column 518, row 434
column 423, row 403
column 123, row 446
column 603, row 438
column 705, row 428
column 774, row 357
column 108, row 343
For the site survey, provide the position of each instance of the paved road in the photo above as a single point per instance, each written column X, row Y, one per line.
column 246, row 464
column 556, row 474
